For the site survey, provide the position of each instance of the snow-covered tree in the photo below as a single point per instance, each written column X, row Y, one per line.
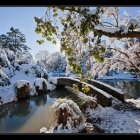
column 25, row 58
column 125, row 58
column 42, row 56
column 12, row 47
column 83, row 30
column 13, row 52
column 56, row 62
column 14, row 40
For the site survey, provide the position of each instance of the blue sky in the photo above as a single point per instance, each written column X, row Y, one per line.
column 23, row 19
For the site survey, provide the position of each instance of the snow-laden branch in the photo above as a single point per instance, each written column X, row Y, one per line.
column 128, row 57
column 121, row 31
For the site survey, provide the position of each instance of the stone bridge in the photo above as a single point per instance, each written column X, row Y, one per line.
column 103, row 92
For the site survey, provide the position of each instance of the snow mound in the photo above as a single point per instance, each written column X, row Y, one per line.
column 21, row 83
column 53, row 80
column 51, row 83
column 7, row 94
column 39, row 83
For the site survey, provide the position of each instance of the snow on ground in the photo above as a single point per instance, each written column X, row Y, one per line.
column 115, row 121
column 109, row 119
column 53, row 80
column 7, row 92
column 121, row 76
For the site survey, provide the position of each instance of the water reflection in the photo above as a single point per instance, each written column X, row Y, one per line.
column 32, row 114
column 25, row 115
column 12, row 110
column 13, row 115
column 3, row 114
column 131, row 88
column 20, row 109
column 40, row 100
column 61, row 92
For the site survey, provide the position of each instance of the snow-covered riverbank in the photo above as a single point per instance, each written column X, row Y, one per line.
column 119, row 118
column 7, row 92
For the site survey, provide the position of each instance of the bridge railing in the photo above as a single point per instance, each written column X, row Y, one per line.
column 103, row 98
column 109, row 89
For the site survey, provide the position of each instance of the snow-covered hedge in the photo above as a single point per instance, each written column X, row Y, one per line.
column 4, row 80
column 36, row 69
column 4, row 62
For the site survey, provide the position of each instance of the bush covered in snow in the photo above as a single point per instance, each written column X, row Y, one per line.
column 4, row 80
column 40, row 85
column 68, row 117
column 40, row 70
column 9, row 71
column 16, row 56
column 25, row 58
column 87, row 101
column 22, row 89
column 84, row 101
column 4, row 61
column 37, row 70
column 10, row 55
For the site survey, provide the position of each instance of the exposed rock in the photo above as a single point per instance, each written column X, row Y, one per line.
column 22, row 89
